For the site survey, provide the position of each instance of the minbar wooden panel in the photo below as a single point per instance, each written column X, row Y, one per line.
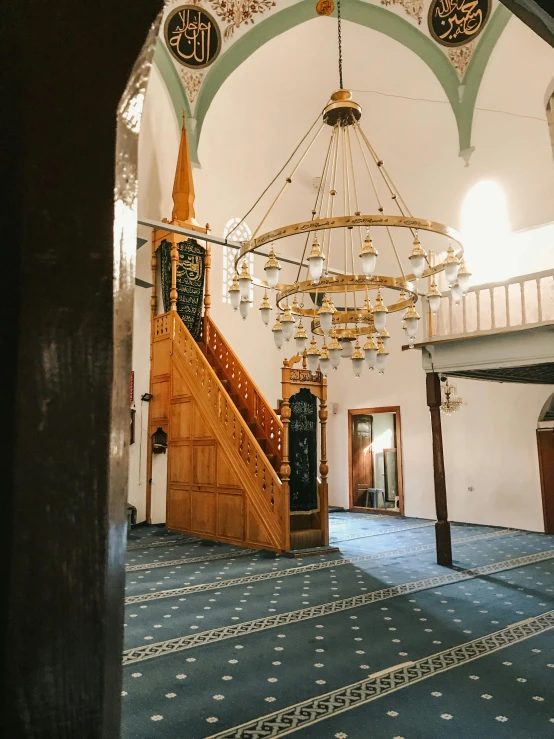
column 178, row 507
column 230, row 516
column 205, row 495
column 203, row 511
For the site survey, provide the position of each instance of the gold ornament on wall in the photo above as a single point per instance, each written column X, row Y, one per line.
column 413, row 8
column 192, row 82
column 325, row 7
column 236, row 13
column 460, row 57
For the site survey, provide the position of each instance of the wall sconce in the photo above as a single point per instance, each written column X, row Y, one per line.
column 159, row 441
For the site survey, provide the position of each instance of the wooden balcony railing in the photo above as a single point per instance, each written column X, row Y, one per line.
column 497, row 307
column 260, row 479
column 242, row 385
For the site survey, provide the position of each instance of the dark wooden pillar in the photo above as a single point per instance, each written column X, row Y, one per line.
column 66, row 339
column 442, row 527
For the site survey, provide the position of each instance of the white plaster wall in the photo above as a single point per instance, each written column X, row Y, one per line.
column 489, row 444
column 158, row 146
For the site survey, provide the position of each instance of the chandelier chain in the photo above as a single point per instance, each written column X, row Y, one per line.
column 339, row 29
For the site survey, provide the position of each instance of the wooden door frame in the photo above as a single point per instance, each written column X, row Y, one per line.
column 544, row 480
column 398, row 436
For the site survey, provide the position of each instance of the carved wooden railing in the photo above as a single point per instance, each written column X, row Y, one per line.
column 260, row 480
column 242, row 385
column 497, row 307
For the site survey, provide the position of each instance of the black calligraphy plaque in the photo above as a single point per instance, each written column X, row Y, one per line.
column 190, row 282
column 457, row 22
column 192, row 36
column 303, row 451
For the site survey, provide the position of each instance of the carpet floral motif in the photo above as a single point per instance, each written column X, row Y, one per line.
column 413, row 8
column 235, row 13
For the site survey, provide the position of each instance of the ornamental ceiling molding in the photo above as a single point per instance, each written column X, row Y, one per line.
column 413, row 8
column 460, row 75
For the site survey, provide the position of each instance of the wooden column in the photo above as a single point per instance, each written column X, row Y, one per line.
column 442, row 527
column 207, row 268
column 323, row 466
column 174, row 263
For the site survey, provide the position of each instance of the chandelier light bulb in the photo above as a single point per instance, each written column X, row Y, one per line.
column 316, row 260
column 380, row 313
column 370, row 351
column 295, row 310
column 244, row 308
column 381, row 361
column 457, row 293
column 278, row 337
column 287, row 322
column 234, row 293
column 464, row 277
column 357, row 360
column 312, row 357
column 451, row 266
column 384, row 336
column 301, row 339
column 402, row 312
column 265, row 309
column 368, row 257
column 418, row 258
column 271, row 270
column 434, row 297
column 347, row 348
column 245, row 281
column 411, row 319
column 335, row 351
column 325, row 315
column 324, row 361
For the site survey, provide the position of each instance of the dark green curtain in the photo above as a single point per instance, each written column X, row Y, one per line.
column 190, row 282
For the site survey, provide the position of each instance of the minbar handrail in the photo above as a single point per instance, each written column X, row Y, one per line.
column 242, row 384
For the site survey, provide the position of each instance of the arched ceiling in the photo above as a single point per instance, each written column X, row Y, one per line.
column 459, row 71
column 267, row 86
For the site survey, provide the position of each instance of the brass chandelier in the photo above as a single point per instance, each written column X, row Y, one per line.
column 451, row 402
column 358, row 214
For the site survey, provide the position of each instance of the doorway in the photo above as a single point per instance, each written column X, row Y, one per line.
column 375, row 460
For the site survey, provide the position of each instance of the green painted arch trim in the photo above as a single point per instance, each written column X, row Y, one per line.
column 177, row 93
column 475, row 71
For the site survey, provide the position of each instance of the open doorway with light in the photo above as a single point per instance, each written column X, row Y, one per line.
column 375, row 460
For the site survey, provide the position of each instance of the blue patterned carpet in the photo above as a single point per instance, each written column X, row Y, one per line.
column 375, row 641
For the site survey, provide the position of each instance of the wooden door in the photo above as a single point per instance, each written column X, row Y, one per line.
column 545, row 442
column 362, row 458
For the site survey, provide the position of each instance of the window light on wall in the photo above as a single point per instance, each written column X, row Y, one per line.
column 487, row 234
column 235, row 232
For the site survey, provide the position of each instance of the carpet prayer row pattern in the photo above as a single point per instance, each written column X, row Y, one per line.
column 376, row 640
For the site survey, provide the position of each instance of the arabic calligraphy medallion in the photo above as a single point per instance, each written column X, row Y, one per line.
column 457, row 22
column 192, row 36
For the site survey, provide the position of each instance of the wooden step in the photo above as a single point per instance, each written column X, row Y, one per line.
column 305, row 538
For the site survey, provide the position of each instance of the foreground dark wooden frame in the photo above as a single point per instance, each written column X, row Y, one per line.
column 398, row 436
column 66, row 343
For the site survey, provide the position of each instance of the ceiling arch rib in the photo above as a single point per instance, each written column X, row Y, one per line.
column 461, row 95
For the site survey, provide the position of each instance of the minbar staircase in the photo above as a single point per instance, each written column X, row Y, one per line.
column 248, row 399
column 225, row 443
